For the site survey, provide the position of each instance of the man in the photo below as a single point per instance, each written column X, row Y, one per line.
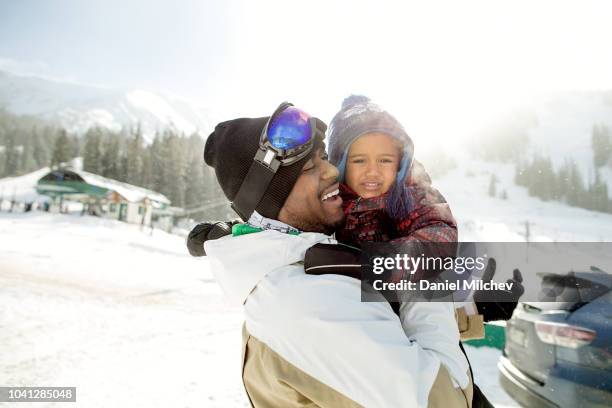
column 309, row 340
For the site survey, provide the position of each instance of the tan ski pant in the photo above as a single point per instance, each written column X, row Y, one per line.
column 271, row 382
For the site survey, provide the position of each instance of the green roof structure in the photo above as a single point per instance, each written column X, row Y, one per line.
column 69, row 182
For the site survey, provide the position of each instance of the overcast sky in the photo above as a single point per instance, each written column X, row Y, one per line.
column 436, row 65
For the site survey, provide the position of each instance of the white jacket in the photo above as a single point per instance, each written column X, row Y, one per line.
column 320, row 325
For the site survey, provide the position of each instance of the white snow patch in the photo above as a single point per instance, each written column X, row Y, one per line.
column 128, row 318
column 486, row 375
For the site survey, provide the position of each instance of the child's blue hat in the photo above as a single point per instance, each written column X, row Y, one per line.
column 357, row 117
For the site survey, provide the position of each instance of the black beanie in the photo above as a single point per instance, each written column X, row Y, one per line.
column 230, row 150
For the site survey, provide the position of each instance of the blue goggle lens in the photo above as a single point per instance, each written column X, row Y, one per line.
column 289, row 129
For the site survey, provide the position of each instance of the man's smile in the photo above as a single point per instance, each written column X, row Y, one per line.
column 331, row 192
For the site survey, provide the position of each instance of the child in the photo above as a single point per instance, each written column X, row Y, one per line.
column 387, row 195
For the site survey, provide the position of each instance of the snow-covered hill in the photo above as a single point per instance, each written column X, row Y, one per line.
column 493, row 219
column 558, row 126
column 78, row 107
column 565, row 124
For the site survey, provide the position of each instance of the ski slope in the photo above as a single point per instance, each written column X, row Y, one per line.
column 484, row 218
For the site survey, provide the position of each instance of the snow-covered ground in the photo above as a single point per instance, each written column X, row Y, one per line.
column 130, row 319
column 125, row 316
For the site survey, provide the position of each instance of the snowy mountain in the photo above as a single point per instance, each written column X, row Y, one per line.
column 78, row 107
column 494, row 219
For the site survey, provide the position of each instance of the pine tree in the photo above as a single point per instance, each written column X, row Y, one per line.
column 92, row 157
column 110, row 156
column 158, row 174
column 123, row 167
column 174, row 170
column 11, row 155
column 576, row 189
column 134, row 158
column 194, row 181
column 540, row 178
column 61, row 149
column 147, row 169
column 599, row 200
column 40, row 147
column 601, row 144
column 548, row 180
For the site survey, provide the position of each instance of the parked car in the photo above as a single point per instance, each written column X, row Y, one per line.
column 559, row 354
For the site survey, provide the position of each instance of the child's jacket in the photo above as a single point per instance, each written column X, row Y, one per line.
column 431, row 219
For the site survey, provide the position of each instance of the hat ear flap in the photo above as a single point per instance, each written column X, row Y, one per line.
column 399, row 201
column 342, row 167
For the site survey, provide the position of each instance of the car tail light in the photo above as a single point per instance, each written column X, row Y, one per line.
column 565, row 335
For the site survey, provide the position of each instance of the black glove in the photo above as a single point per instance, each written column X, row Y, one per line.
column 498, row 304
column 204, row 232
column 337, row 259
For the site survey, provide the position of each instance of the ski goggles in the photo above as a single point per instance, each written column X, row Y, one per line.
column 287, row 137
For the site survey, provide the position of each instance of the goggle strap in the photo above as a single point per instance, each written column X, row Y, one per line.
column 253, row 188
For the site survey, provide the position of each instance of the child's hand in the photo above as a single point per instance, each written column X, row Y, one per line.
column 498, row 304
column 511, row 295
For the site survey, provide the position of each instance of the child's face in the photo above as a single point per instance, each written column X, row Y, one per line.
column 372, row 164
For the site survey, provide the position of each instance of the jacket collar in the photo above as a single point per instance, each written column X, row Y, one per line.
column 354, row 203
column 259, row 221
column 240, row 262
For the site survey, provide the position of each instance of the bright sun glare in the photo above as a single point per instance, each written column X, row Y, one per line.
column 443, row 68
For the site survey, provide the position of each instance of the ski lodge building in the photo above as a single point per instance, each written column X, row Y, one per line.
column 105, row 197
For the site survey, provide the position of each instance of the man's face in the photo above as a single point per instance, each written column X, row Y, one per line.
column 314, row 203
